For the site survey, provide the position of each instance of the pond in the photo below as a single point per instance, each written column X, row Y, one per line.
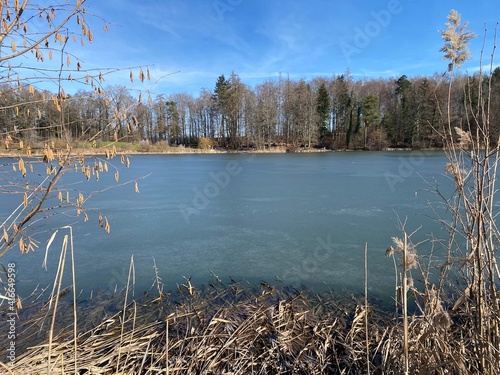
column 291, row 219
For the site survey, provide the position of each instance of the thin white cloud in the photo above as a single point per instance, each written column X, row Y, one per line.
column 259, row 39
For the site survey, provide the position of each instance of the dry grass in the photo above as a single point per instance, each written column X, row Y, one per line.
column 240, row 330
column 220, row 330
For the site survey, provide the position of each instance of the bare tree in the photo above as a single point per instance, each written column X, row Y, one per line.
column 40, row 34
column 265, row 129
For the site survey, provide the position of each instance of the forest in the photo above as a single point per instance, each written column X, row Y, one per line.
column 235, row 327
column 339, row 113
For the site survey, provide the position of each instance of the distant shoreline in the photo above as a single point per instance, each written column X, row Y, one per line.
column 194, row 151
column 169, row 151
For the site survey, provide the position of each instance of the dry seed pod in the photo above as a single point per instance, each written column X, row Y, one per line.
column 5, row 235
column 22, row 245
column 87, row 172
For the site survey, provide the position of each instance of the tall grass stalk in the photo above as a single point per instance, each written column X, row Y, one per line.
column 56, row 295
column 130, row 278
column 473, row 156
column 367, row 336
column 405, row 302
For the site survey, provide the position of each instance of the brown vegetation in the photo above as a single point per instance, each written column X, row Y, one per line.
column 236, row 329
column 455, row 328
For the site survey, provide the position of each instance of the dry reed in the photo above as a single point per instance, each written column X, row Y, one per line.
column 237, row 329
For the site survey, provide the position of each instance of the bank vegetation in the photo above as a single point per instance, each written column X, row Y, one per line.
column 229, row 328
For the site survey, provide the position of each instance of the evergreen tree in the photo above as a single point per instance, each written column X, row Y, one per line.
column 426, row 116
column 323, row 112
column 371, row 117
column 404, row 118
column 220, row 104
column 173, row 123
column 371, row 112
column 341, row 109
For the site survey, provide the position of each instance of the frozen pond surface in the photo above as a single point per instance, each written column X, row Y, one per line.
column 299, row 218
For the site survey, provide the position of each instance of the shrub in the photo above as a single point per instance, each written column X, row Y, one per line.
column 205, row 143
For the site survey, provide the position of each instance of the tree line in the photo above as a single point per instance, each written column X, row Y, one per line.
column 336, row 112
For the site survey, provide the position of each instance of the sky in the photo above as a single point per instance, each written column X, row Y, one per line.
column 189, row 43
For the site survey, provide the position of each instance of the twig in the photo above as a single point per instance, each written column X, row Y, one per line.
column 366, row 311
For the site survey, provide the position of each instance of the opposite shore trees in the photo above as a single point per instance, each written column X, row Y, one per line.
column 38, row 61
column 406, row 112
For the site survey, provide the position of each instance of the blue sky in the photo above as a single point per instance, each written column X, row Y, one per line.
column 191, row 42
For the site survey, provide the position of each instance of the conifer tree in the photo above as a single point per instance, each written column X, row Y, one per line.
column 323, row 111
